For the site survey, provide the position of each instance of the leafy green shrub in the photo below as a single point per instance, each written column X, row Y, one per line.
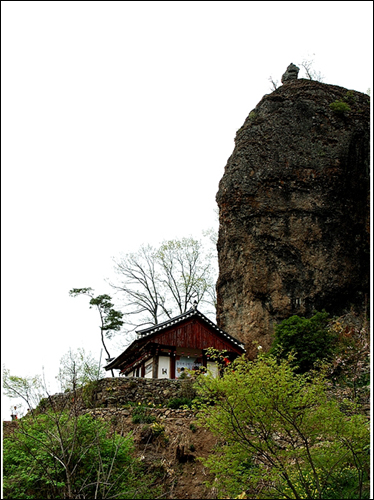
column 176, row 403
column 43, row 404
column 140, row 415
column 193, row 427
column 65, row 456
column 310, row 340
column 340, row 107
column 350, row 97
column 157, row 429
column 89, row 393
column 339, row 484
column 252, row 116
column 282, row 435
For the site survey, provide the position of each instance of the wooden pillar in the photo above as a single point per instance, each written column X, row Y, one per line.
column 172, row 363
column 155, row 366
column 205, row 359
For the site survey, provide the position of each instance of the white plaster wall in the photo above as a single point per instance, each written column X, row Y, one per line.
column 212, row 367
column 150, row 373
column 163, row 365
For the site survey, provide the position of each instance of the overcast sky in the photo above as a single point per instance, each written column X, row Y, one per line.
column 117, row 122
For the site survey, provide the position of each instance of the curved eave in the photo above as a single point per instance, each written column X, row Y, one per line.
column 147, row 333
column 116, row 361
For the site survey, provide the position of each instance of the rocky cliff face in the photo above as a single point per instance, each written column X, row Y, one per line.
column 294, row 210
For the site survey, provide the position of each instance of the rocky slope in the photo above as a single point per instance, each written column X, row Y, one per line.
column 294, row 210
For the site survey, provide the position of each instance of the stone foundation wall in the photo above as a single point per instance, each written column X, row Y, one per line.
column 117, row 392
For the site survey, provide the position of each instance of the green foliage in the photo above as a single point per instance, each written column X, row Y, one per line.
column 176, row 403
column 141, row 415
column 89, row 391
column 29, row 389
column 216, row 355
column 157, row 428
column 111, row 320
column 281, row 434
column 59, row 456
column 252, row 116
column 220, row 358
column 78, row 368
column 350, row 97
column 310, row 340
column 193, row 427
column 340, row 107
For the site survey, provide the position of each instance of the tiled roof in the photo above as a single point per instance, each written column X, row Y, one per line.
column 147, row 332
column 188, row 314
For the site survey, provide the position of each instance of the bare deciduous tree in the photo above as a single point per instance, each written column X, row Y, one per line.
column 78, row 368
column 28, row 389
column 139, row 281
column 157, row 284
column 186, row 276
column 311, row 73
column 274, row 83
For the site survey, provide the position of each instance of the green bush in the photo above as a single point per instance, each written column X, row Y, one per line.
column 310, row 340
column 340, row 107
column 193, row 427
column 252, row 116
column 350, row 97
column 281, row 435
column 176, row 403
column 157, row 429
column 66, row 456
column 140, row 415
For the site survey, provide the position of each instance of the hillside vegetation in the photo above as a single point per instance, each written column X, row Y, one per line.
column 274, row 427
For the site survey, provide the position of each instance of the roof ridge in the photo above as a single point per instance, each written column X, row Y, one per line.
column 165, row 323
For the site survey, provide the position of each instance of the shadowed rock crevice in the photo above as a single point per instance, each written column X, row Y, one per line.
column 294, row 210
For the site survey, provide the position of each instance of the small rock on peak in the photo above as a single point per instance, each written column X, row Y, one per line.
column 291, row 73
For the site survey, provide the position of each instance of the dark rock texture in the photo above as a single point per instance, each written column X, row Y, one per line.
column 291, row 73
column 294, row 210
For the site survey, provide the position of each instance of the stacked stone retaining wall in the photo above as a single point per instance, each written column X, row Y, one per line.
column 118, row 392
